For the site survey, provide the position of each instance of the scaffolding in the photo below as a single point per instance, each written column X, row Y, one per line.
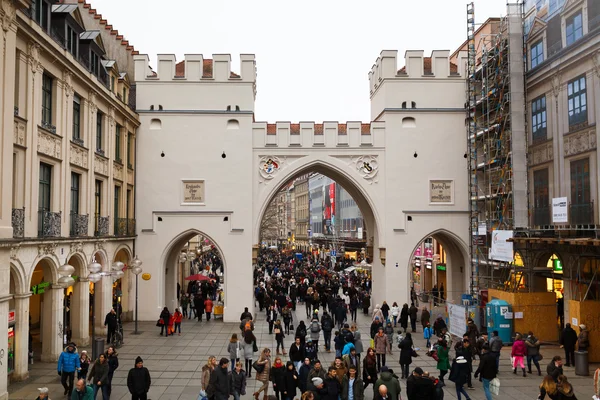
column 496, row 139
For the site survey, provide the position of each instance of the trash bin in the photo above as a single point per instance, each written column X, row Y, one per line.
column 581, row 363
column 98, row 348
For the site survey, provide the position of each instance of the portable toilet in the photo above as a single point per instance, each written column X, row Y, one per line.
column 497, row 312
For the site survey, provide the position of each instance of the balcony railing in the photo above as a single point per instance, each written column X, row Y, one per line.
column 101, row 225
column 125, row 227
column 79, row 225
column 18, row 222
column 48, row 223
column 541, row 216
column 581, row 213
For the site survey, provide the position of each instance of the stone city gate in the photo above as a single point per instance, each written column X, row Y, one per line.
column 205, row 166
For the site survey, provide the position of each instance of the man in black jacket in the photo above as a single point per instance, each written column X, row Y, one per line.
column 138, row 380
column 327, row 327
column 219, row 380
column 555, row 368
column 110, row 321
column 419, row 387
column 331, row 388
column 297, row 353
column 487, row 369
column 568, row 340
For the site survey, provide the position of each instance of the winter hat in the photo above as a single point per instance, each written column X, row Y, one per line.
column 582, row 326
column 384, row 368
column 138, row 360
column 419, row 371
column 317, row 381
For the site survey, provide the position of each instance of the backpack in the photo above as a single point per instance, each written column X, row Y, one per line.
column 348, row 337
column 302, row 332
column 427, row 333
column 314, row 327
column 248, row 326
column 327, row 324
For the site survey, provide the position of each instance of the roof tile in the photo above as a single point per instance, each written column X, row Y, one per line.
column 427, row 67
column 271, row 129
column 295, row 129
column 365, row 129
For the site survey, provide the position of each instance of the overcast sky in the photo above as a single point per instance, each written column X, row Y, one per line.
column 312, row 56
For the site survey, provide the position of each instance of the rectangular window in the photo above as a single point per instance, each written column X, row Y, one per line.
column 47, row 83
column 76, row 118
column 538, row 118
column 116, row 208
column 576, row 94
column 574, row 29
column 125, row 95
column 75, row 180
column 112, row 83
column 537, row 53
column 580, row 181
column 97, row 197
column 39, row 13
column 99, row 132
column 130, row 139
column 94, row 63
column 128, row 210
column 118, row 144
column 72, row 41
column 44, row 195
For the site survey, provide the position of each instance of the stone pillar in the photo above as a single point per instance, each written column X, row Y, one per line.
column 52, row 325
column 103, row 299
column 80, row 312
column 21, row 371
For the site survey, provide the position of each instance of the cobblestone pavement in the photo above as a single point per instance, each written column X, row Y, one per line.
column 175, row 363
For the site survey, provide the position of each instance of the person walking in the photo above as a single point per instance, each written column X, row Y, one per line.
column 389, row 332
column 113, row 363
column 177, row 317
column 250, row 348
column 518, row 353
column 548, row 388
column 165, row 316
column 207, row 370
column 279, row 336
column 219, row 380
column 533, row 352
column 395, row 311
column 352, row 385
column 425, row 317
column 305, row 369
column 82, row 391
column 315, row 330
column 297, row 354
column 234, row 348
column 377, row 313
column 420, row 387
column 264, row 360
column 385, row 310
column 138, row 380
column 390, row 381
column 277, row 376
column 443, row 364
column 488, row 370
column 406, row 349
column 271, row 318
column 404, row 317
column 43, row 393
column 459, row 375
column 370, row 367
column 568, row 340
column 291, row 381
column 565, row 390
column 99, row 377
column 198, row 306
column 110, row 322
column 358, row 344
column 327, row 327
column 208, row 308
column 495, row 347
column 84, row 364
column 428, row 334
column 412, row 313
column 68, row 364
column 381, row 347
column 237, row 381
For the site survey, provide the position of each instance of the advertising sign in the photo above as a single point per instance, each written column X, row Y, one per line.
column 502, row 249
column 559, row 210
column 457, row 319
column 328, row 209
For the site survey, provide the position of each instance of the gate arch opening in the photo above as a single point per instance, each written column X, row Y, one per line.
column 184, row 257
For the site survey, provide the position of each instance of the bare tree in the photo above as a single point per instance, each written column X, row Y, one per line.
column 269, row 227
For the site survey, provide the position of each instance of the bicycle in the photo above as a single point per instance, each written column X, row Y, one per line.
column 117, row 338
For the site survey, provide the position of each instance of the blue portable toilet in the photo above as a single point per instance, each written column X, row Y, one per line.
column 496, row 319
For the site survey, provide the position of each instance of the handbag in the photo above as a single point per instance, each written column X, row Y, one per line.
column 254, row 347
column 159, row 322
column 540, row 357
column 495, row 386
column 413, row 353
column 258, row 367
column 277, row 331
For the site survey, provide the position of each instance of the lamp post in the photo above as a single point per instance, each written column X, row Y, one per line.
column 65, row 271
column 94, row 276
column 117, row 273
column 136, row 269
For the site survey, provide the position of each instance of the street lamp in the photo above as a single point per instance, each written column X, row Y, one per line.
column 94, row 276
column 136, row 269
column 65, row 271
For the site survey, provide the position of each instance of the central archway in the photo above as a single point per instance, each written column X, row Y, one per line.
column 171, row 274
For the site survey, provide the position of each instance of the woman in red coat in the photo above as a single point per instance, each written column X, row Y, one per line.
column 208, row 306
column 177, row 317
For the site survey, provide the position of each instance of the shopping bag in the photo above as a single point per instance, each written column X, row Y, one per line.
column 372, row 343
column 495, row 386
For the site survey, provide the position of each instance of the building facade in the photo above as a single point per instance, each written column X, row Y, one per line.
column 67, row 175
column 302, row 213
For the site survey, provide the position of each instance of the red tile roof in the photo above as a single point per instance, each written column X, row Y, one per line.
column 427, row 67
column 318, row 129
column 342, row 129
column 295, row 129
column 207, row 69
column 365, row 129
column 271, row 129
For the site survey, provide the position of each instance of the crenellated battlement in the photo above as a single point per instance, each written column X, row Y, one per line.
column 195, row 68
column 416, row 66
column 311, row 134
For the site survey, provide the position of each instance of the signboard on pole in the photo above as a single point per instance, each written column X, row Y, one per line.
column 502, row 249
column 559, row 210
column 457, row 321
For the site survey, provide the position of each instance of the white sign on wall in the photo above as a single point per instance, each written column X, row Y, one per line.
column 502, row 249
column 192, row 191
column 559, row 210
column 457, row 319
column 441, row 191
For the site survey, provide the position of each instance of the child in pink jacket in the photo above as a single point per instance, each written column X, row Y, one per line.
column 518, row 353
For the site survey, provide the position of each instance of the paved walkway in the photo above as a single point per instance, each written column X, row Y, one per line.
column 175, row 363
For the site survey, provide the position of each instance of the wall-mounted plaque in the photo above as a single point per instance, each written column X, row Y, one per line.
column 193, row 192
column 441, row 191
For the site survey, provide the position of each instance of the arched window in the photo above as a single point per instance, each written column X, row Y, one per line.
column 409, row 122
column 233, row 124
column 155, row 124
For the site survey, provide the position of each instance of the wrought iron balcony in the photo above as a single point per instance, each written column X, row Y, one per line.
column 18, row 222
column 49, row 223
column 581, row 213
column 541, row 216
column 101, row 225
column 79, row 225
column 125, row 227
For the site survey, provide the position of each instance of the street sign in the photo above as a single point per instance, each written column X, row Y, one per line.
column 332, row 253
